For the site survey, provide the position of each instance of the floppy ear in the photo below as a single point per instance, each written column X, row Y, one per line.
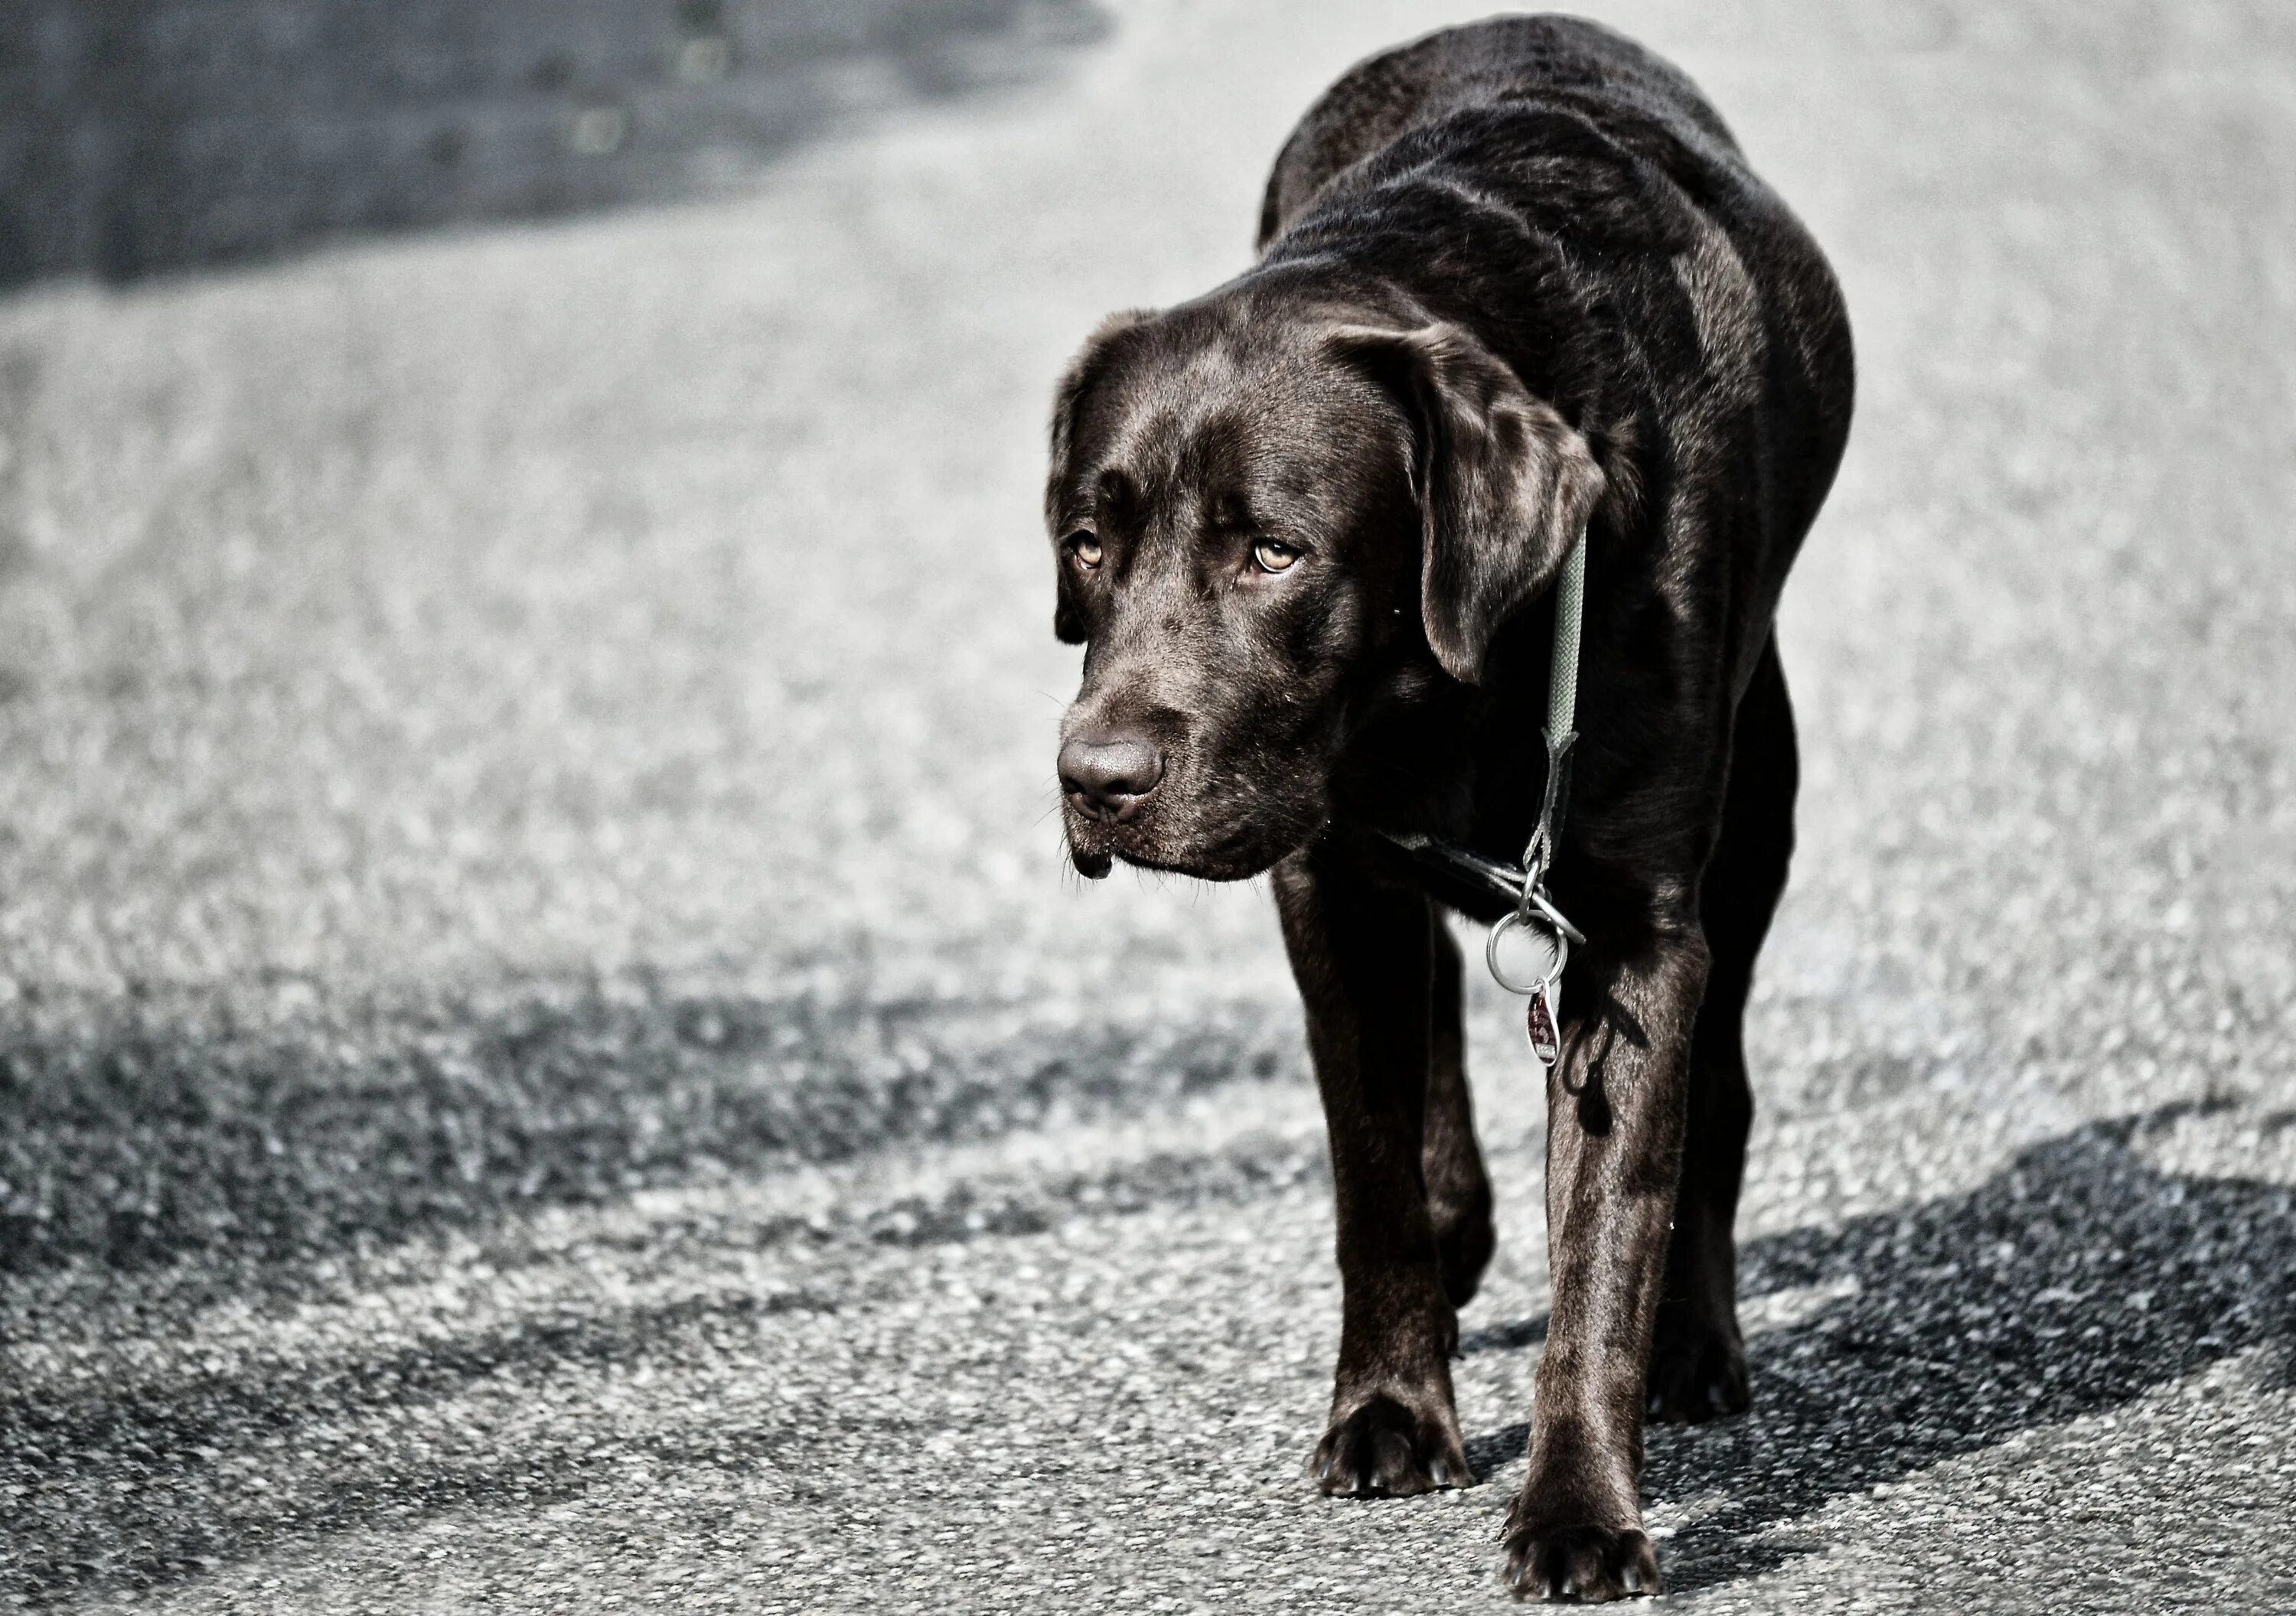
column 1506, row 485
column 1089, row 365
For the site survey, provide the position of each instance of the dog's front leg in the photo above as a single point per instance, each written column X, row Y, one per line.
column 1362, row 952
column 1615, row 1109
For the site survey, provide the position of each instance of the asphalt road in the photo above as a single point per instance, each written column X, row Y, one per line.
column 548, row 1061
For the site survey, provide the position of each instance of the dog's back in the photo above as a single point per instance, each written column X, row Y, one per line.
column 1521, row 60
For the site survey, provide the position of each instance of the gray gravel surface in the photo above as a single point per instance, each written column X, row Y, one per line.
column 548, row 1061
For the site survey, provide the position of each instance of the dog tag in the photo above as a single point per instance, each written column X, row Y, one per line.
column 1527, row 952
column 1544, row 1044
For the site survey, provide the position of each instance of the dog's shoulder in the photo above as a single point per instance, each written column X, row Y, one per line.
column 1572, row 198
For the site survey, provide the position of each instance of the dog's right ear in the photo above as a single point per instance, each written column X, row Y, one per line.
column 1084, row 371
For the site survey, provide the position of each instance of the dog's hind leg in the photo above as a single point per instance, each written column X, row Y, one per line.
column 1698, row 1361
column 1458, row 1190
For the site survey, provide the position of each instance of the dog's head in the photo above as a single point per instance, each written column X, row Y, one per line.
column 1266, row 514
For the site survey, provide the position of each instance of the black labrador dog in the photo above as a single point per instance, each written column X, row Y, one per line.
column 1517, row 284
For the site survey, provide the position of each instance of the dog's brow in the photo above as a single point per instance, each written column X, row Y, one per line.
column 1116, row 489
column 1229, row 510
column 1152, row 445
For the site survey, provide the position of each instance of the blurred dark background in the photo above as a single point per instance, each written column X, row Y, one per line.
column 137, row 138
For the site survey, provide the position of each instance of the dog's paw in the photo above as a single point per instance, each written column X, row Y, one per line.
column 1697, row 1371
column 1579, row 1563
column 1384, row 1449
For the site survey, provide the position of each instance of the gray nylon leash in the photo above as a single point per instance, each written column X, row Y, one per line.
column 1561, row 714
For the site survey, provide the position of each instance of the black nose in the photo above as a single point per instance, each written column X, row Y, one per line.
column 1112, row 777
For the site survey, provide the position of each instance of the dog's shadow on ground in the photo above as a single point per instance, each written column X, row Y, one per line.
column 2074, row 1281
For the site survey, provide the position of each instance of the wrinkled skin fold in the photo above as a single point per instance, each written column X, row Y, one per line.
column 1517, row 283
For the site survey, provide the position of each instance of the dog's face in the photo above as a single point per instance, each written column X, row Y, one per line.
column 1264, row 516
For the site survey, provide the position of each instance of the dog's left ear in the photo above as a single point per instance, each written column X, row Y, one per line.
column 1506, row 485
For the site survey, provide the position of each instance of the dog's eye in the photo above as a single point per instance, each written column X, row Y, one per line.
column 1086, row 548
column 1273, row 555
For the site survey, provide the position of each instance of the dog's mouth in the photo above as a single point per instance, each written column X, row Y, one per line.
column 1236, row 852
column 1093, row 863
column 1219, row 864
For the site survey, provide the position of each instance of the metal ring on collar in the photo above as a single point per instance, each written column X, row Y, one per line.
column 1559, row 938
